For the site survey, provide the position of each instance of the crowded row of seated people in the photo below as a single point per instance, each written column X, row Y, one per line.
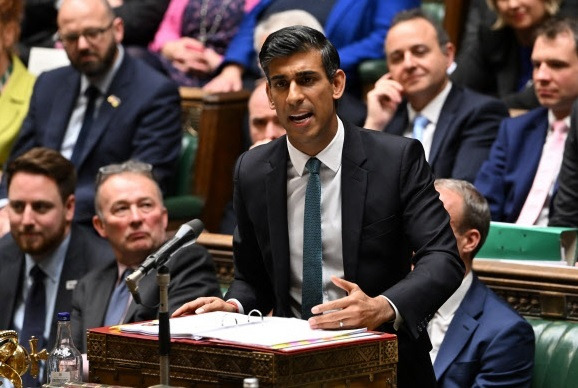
column 108, row 107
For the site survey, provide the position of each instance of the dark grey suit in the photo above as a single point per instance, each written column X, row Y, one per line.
column 466, row 128
column 192, row 275
column 85, row 252
column 389, row 210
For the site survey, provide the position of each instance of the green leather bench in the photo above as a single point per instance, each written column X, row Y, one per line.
column 556, row 357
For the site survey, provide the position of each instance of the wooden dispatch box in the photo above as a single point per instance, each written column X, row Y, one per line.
column 132, row 360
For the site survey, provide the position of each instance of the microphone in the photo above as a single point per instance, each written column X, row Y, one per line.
column 186, row 235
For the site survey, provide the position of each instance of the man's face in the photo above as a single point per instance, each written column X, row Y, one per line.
column 521, row 14
column 133, row 217
column 416, row 60
column 264, row 124
column 304, row 99
column 556, row 72
column 39, row 220
column 94, row 52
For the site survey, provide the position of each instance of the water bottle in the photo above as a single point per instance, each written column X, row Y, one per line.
column 64, row 361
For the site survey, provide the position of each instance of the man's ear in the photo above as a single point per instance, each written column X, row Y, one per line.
column 338, row 84
column 99, row 226
column 472, row 240
column 269, row 96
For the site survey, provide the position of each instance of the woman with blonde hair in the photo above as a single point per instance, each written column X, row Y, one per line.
column 15, row 81
column 498, row 60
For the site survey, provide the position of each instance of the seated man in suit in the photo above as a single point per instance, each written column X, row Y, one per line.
column 478, row 339
column 44, row 255
column 328, row 216
column 131, row 216
column 105, row 107
column 455, row 125
column 519, row 179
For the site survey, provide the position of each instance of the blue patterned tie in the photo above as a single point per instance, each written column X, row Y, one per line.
column 118, row 302
column 419, row 124
column 312, row 250
column 34, row 318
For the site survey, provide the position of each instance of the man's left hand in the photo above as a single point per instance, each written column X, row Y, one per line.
column 356, row 310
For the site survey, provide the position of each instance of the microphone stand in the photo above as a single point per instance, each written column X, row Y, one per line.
column 163, row 279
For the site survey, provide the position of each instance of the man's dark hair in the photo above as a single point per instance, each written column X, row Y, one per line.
column 47, row 162
column 299, row 39
column 556, row 25
column 418, row 13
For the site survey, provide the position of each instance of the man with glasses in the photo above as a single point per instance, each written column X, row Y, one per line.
column 105, row 107
column 45, row 254
column 131, row 216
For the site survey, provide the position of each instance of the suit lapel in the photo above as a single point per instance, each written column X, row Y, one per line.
column 117, row 94
column 65, row 98
column 461, row 328
column 400, row 122
column 105, row 283
column 146, row 285
column 353, row 191
column 443, row 125
column 11, row 276
column 276, row 187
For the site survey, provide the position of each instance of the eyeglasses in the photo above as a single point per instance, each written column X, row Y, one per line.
column 92, row 35
column 128, row 166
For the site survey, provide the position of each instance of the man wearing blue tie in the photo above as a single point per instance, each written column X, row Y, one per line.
column 329, row 215
column 455, row 125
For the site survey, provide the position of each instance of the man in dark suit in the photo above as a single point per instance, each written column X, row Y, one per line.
column 135, row 110
column 41, row 206
column 378, row 206
column 131, row 216
column 512, row 179
column 478, row 339
column 461, row 124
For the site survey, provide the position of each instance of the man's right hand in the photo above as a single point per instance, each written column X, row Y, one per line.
column 229, row 80
column 382, row 102
column 204, row 305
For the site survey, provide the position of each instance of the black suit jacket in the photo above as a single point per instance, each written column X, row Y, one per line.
column 85, row 252
column 565, row 209
column 466, row 128
column 138, row 119
column 192, row 273
column 389, row 210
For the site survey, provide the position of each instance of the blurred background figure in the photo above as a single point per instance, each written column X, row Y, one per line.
column 15, row 81
column 264, row 126
column 193, row 37
column 497, row 61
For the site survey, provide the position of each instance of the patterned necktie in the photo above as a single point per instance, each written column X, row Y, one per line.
column 92, row 94
column 118, row 301
column 547, row 172
column 419, row 124
column 312, row 249
column 34, row 318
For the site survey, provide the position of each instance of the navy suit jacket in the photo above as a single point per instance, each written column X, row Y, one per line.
column 389, row 210
column 466, row 128
column 192, row 273
column 487, row 344
column 145, row 125
column 85, row 252
column 506, row 178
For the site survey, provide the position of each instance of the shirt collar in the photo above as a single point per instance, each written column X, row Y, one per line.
column 52, row 264
column 552, row 118
column 432, row 110
column 451, row 305
column 330, row 156
column 103, row 83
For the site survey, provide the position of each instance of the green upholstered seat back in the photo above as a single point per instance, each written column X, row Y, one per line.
column 556, row 357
